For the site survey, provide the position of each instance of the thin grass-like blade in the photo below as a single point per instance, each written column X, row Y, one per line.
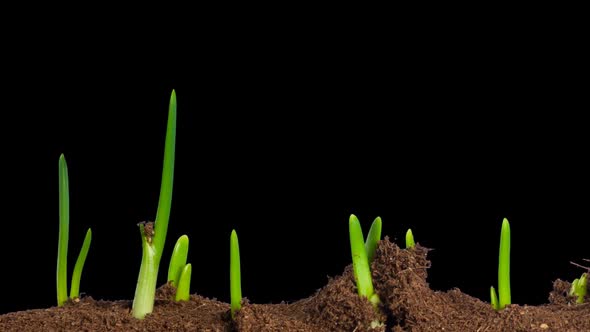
column 373, row 238
column 178, row 260
column 184, row 284
column 410, row 243
column 504, row 295
column 77, row 274
column 64, row 226
column 235, row 278
column 360, row 261
column 165, row 202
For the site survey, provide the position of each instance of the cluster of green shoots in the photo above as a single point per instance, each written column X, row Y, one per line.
column 503, row 298
column 363, row 253
column 153, row 237
column 179, row 272
column 62, row 249
column 579, row 288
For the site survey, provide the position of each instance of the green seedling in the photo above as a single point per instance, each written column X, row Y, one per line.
column 235, row 279
column 580, row 288
column 179, row 272
column 494, row 298
column 410, row 239
column 504, row 296
column 373, row 238
column 62, row 247
column 184, row 284
column 178, row 260
column 360, row 262
column 153, row 235
column 574, row 287
column 77, row 274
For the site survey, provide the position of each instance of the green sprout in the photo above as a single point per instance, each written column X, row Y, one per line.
column 184, row 284
column 580, row 288
column 410, row 239
column 373, row 238
column 360, row 262
column 574, row 287
column 504, row 297
column 62, row 247
column 153, row 235
column 77, row 274
column 494, row 298
column 235, row 279
column 178, row 260
column 179, row 272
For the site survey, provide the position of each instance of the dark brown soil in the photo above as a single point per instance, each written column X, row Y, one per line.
column 399, row 278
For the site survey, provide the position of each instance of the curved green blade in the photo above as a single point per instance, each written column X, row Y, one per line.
column 165, row 201
column 184, row 284
column 373, row 238
column 178, row 260
column 77, row 274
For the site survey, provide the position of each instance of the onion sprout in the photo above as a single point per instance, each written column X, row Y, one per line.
column 153, row 235
column 62, row 247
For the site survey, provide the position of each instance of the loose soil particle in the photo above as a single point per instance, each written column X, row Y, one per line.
column 399, row 277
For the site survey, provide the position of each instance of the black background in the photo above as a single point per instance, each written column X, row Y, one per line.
column 282, row 136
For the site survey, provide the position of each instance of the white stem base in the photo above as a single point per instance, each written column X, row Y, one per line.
column 145, row 292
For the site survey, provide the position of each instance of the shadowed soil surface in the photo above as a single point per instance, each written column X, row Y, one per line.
column 399, row 277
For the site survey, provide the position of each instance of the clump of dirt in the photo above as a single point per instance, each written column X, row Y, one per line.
column 166, row 293
column 199, row 314
column 336, row 307
column 399, row 277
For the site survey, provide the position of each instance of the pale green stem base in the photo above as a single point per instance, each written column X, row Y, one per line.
column 145, row 293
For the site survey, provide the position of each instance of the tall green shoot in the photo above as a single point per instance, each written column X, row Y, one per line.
column 62, row 247
column 153, row 235
column 64, row 229
column 235, row 278
column 504, row 294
